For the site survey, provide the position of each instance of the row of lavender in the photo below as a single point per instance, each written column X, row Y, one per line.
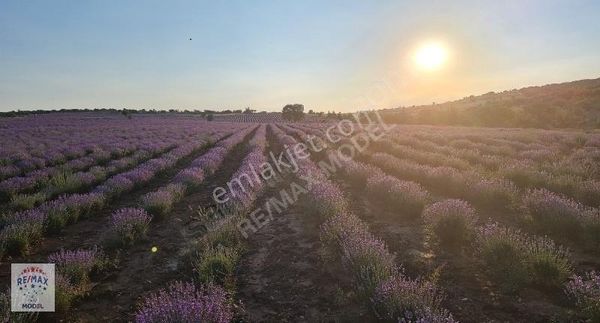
column 130, row 224
column 39, row 141
column 214, row 258
column 545, row 211
column 513, row 258
column 24, row 193
column 23, row 229
column 393, row 295
column 574, row 174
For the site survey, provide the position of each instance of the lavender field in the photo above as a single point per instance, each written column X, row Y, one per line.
column 176, row 219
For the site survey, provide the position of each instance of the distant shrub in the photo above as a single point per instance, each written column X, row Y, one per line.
column 452, row 222
column 401, row 299
column 130, row 224
column 183, row 302
column 586, row 293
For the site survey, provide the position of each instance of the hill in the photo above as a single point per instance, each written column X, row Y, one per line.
column 564, row 105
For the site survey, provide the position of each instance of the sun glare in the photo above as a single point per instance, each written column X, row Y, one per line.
column 431, row 56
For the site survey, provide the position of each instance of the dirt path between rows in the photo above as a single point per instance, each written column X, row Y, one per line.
column 282, row 277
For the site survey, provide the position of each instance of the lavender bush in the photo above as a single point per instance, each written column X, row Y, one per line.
column 407, row 198
column 369, row 260
column 216, row 264
column 553, row 214
column 503, row 251
column 130, row 224
column 326, row 199
column 158, row 203
column 76, row 265
column 451, row 222
column 191, row 177
column 183, row 302
column 400, row 299
column 585, row 290
column 549, row 265
column 22, row 231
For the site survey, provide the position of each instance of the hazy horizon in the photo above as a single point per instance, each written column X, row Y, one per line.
column 338, row 55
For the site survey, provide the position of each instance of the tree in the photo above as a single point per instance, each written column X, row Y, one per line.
column 209, row 117
column 311, row 111
column 249, row 111
column 293, row 112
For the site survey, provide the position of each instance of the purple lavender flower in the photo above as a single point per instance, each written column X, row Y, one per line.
column 8, row 171
column 130, row 224
column 369, row 260
column 211, row 160
column 139, row 175
column 22, row 231
column 400, row 299
column 327, row 199
column 585, row 290
column 158, row 203
column 116, row 185
column 358, row 173
column 183, row 302
column 451, row 221
column 76, row 265
column 406, row 197
column 190, row 177
column 554, row 214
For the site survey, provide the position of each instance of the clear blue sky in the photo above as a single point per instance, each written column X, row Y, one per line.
column 341, row 55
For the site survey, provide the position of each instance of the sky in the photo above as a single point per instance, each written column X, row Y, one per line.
column 328, row 55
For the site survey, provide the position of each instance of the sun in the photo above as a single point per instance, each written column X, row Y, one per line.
column 431, row 56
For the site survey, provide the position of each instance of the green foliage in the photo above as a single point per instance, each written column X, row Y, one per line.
column 216, row 264
column 21, row 202
column 565, row 105
column 293, row 112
